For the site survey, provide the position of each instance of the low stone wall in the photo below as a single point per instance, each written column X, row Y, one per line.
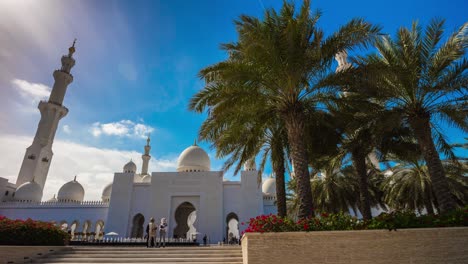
column 411, row 246
column 23, row 254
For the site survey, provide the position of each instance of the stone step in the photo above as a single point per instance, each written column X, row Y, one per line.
column 150, row 252
column 172, row 255
column 235, row 262
column 157, row 249
column 144, row 255
column 137, row 260
column 234, row 248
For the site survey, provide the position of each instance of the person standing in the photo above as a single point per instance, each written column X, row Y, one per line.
column 162, row 232
column 204, row 240
column 151, row 230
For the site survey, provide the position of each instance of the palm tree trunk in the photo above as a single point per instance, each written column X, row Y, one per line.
column 295, row 127
column 280, row 188
column 422, row 129
column 277, row 160
column 428, row 205
column 359, row 162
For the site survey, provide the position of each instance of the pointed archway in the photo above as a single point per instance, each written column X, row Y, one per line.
column 183, row 214
column 232, row 228
column 137, row 226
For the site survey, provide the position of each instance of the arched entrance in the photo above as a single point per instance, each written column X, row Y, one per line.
column 73, row 228
column 232, row 228
column 99, row 231
column 185, row 217
column 137, row 227
column 86, row 228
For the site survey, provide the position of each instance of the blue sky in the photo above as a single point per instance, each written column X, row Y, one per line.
column 136, row 68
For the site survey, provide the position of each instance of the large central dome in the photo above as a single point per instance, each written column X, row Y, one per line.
column 193, row 158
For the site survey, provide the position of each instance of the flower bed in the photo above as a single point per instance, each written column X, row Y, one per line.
column 30, row 232
column 341, row 221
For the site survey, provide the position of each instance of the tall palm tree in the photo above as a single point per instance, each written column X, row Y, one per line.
column 422, row 80
column 365, row 125
column 275, row 64
column 235, row 133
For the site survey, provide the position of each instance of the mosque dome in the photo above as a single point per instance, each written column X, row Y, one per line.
column 269, row 186
column 29, row 191
column 193, row 158
column 146, row 178
column 250, row 165
column 71, row 191
column 106, row 193
column 130, row 167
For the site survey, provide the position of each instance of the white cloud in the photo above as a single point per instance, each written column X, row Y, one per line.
column 94, row 167
column 66, row 129
column 31, row 91
column 121, row 128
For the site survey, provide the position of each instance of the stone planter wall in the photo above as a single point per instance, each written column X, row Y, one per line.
column 411, row 246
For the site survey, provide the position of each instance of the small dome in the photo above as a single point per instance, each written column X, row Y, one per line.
column 193, row 158
column 29, row 192
column 106, row 193
column 53, row 199
column 146, row 178
column 71, row 191
column 269, row 186
column 250, row 165
column 130, row 167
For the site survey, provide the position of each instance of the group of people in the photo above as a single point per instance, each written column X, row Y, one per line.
column 151, row 233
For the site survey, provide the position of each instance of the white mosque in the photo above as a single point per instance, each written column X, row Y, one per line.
column 194, row 199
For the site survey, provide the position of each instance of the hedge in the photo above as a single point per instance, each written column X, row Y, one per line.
column 30, row 232
column 342, row 221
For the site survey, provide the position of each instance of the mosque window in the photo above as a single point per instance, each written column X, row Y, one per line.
column 32, row 157
column 45, row 159
column 6, row 193
column 13, row 195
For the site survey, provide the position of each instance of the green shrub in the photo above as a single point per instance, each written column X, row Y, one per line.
column 30, row 232
column 343, row 221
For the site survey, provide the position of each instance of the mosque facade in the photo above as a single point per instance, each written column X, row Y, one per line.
column 195, row 200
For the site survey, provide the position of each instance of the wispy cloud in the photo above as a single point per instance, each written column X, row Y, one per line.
column 121, row 128
column 66, row 129
column 31, row 91
column 94, row 167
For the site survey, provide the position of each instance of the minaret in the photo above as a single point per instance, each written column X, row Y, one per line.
column 146, row 157
column 343, row 64
column 341, row 58
column 36, row 161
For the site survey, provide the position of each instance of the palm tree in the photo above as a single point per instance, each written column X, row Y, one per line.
column 275, row 64
column 365, row 126
column 422, row 80
column 409, row 187
column 334, row 190
column 235, row 133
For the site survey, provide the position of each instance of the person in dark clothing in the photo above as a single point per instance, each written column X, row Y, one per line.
column 204, row 240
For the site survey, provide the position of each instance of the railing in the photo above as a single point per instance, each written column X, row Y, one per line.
column 28, row 204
